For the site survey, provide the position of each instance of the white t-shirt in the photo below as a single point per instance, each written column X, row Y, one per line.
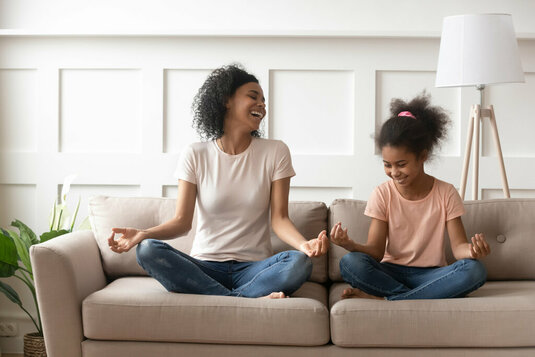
column 233, row 197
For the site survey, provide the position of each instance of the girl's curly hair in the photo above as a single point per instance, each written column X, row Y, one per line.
column 418, row 135
column 209, row 103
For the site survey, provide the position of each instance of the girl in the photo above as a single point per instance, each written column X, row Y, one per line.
column 237, row 179
column 404, row 257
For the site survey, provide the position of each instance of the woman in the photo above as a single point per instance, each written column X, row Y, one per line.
column 237, row 179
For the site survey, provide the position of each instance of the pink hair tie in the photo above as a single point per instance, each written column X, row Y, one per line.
column 406, row 114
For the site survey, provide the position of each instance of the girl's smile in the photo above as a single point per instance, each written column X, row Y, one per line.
column 407, row 171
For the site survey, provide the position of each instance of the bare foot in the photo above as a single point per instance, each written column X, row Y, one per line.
column 354, row 293
column 279, row 295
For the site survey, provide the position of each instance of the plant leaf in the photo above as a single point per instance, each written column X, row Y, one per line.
column 53, row 234
column 10, row 293
column 53, row 216
column 22, row 251
column 8, row 256
column 25, row 231
column 75, row 213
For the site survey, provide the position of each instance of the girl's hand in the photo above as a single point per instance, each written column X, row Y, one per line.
column 316, row 247
column 130, row 237
column 339, row 236
column 479, row 248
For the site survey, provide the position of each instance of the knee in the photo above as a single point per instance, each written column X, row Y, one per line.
column 353, row 260
column 476, row 271
column 355, row 264
column 301, row 262
column 145, row 249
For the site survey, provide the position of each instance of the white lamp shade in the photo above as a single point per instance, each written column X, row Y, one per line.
column 478, row 50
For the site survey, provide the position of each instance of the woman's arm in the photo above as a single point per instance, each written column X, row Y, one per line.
column 375, row 247
column 284, row 227
column 460, row 247
column 178, row 225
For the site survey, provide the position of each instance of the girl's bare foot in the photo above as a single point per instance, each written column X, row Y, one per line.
column 278, row 295
column 354, row 293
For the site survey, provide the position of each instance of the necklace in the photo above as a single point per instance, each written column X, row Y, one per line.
column 221, row 144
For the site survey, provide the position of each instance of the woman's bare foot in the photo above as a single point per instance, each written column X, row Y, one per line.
column 354, row 293
column 278, row 295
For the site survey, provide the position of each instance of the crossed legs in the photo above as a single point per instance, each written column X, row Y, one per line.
column 274, row 277
column 371, row 279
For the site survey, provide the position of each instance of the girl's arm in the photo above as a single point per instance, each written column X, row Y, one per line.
column 460, row 247
column 375, row 247
column 284, row 227
column 178, row 225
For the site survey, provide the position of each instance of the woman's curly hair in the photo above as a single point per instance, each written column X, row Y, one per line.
column 209, row 103
column 418, row 135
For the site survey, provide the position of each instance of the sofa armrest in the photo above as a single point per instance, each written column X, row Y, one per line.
column 66, row 270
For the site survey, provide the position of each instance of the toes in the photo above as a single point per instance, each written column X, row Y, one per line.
column 277, row 295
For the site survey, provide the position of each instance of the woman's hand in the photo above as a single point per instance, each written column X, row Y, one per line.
column 316, row 247
column 479, row 248
column 130, row 238
column 339, row 237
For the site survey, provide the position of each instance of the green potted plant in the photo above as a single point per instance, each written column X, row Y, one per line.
column 15, row 261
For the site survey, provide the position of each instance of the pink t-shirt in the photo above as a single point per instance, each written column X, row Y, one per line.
column 415, row 228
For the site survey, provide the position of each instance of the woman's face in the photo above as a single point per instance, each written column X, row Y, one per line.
column 247, row 107
column 403, row 166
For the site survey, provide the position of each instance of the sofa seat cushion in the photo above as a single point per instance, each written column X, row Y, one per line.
column 499, row 314
column 139, row 308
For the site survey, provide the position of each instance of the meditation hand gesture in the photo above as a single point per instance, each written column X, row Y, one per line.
column 339, row 236
column 316, row 247
column 130, row 238
column 479, row 248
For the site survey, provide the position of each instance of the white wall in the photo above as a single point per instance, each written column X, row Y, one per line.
column 104, row 91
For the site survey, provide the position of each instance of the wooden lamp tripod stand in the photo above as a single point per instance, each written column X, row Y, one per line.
column 476, row 116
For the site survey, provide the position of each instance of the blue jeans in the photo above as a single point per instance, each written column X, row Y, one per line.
column 399, row 282
column 179, row 272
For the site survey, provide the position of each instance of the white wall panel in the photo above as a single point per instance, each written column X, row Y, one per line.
column 17, row 202
column 85, row 192
column 322, row 194
column 170, row 191
column 313, row 111
column 181, row 85
column 18, row 110
column 514, row 117
column 100, row 110
column 407, row 85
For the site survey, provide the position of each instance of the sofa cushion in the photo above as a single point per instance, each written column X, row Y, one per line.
column 508, row 225
column 142, row 213
column 351, row 214
column 310, row 218
column 139, row 212
column 499, row 314
column 139, row 308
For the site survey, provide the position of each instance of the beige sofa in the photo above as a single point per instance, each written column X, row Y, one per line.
column 97, row 303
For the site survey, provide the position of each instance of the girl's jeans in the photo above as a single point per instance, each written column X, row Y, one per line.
column 178, row 272
column 399, row 282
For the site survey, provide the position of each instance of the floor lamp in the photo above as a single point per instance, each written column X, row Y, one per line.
column 479, row 50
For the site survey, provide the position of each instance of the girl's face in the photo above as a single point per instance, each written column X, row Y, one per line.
column 247, row 107
column 403, row 166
